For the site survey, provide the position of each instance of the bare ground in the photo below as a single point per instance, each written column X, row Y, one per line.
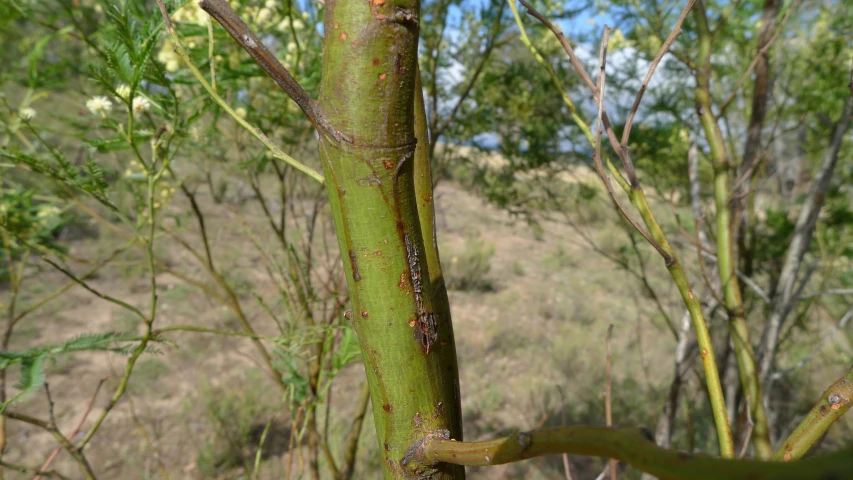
column 531, row 351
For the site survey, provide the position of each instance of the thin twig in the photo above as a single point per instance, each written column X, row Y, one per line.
column 70, row 436
column 611, row 135
column 750, row 425
column 676, row 31
column 277, row 152
column 597, row 160
column 842, row 322
column 97, row 293
column 608, row 413
column 237, row 28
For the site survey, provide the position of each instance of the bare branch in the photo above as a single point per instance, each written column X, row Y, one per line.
column 599, row 168
column 43, row 470
column 676, row 31
column 608, row 413
column 237, row 28
column 842, row 323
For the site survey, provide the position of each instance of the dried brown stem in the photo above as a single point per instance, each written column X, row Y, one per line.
column 624, row 157
column 676, row 31
column 237, row 28
column 43, row 469
column 608, row 413
column 599, row 168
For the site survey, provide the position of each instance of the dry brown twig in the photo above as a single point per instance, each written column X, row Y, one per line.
column 237, row 28
column 608, row 412
column 620, row 147
column 599, row 168
column 676, row 32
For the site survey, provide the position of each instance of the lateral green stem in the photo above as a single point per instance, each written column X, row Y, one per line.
column 833, row 403
column 733, row 298
column 629, row 445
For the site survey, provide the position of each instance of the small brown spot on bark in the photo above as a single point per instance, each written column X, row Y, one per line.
column 403, row 280
column 387, row 407
column 377, row 253
column 336, row 25
column 353, row 259
column 375, row 61
column 382, row 76
column 364, row 314
column 387, row 447
column 426, row 332
column 343, row 36
column 389, row 165
column 412, row 322
column 417, row 420
column 787, row 457
column 704, row 352
column 379, row 3
column 348, row 314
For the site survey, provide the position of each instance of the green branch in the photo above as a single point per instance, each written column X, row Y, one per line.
column 632, row 446
column 733, row 298
column 836, row 400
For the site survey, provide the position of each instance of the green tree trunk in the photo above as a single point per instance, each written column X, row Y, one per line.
column 368, row 96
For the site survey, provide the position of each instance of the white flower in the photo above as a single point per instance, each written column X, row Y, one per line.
column 306, row 15
column 123, row 91
column 48, row 211
column 271, row 4
column 141, row 104
column 298, row 25
column 173, row 65
column 99, row 105
column 283, row 25
column 291, row 47
column 27, row 113
column 241, row 112
column 264, row 16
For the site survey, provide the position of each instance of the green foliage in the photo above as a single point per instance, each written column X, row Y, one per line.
column 31, row 361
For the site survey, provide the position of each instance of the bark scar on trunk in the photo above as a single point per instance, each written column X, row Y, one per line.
column 426, row 328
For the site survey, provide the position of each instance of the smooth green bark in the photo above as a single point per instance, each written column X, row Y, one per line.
column 834, row 402
column 367, row 93
column 725, row 248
